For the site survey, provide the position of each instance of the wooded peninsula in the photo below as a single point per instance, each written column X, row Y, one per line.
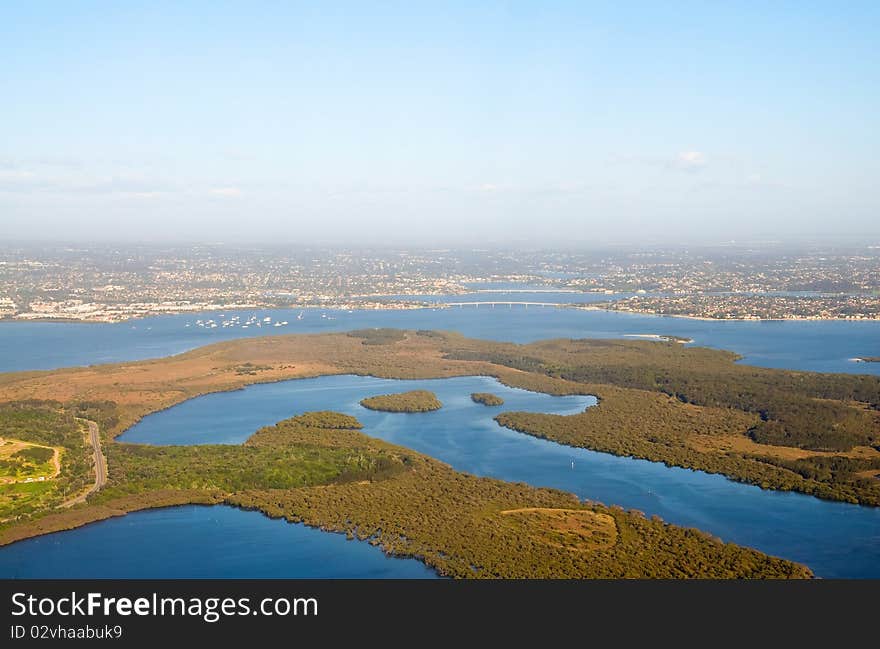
column 691, row 407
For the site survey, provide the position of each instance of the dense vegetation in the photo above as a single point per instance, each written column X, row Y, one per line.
column 105, row 413
column 34, row 454
column 469, row 527
column 317, row 419
column 835, row 470
column 412, row 401
column 487, row 399
column 648, row 422
column 314, row 448
column 41, row 422
column 137, row 468
column 799, row 409
column 667, row 439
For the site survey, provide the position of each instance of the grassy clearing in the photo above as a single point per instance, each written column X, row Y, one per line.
column 26, row 462
column 45, row 445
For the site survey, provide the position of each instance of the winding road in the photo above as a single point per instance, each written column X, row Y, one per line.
column 100, row 466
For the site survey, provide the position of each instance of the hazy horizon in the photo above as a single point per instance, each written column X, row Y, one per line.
column 507, row 124
column 816, row 245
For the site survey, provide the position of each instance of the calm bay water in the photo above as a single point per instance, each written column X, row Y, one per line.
column 199, row 543
column 804, row 345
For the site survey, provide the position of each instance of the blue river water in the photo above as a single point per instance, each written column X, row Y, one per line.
column 834, row 539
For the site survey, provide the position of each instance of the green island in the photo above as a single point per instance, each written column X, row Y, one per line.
column 662, row 401
column 412, row 401
column 487, row 399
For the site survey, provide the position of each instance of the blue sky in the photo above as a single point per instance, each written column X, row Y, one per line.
column 444, row 122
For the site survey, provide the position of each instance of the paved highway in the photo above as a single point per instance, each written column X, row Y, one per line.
column 100, row 466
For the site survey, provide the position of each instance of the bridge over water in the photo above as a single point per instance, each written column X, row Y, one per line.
column 526, row 290
column 495, row 303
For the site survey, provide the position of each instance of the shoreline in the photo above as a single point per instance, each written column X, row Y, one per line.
column 413, row 307
column 143, row 316
column 662, row 337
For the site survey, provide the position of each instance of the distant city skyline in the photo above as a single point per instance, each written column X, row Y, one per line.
column 552, row 123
